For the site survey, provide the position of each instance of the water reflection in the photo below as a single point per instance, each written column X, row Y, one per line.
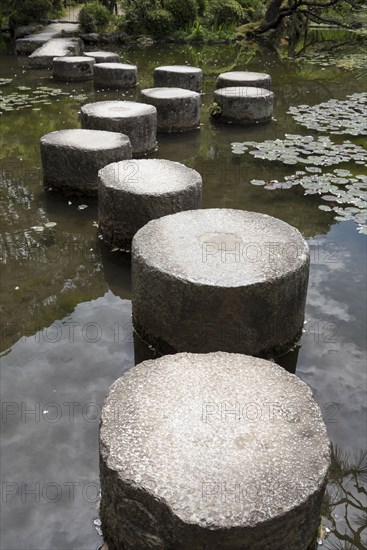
column 67, row 280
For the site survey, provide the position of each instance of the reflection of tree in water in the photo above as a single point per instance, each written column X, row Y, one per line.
column 345, row 503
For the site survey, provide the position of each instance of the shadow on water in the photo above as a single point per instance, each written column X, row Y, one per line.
column 67, row 332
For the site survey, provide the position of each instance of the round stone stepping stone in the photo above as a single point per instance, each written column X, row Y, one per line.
column 179, row 76
column 71, row 159
column 104, row 57
column 235, row 280
column 244, row 105
column 115, row 75
column 131, row 193
column 243, row 78
column 219, row 451
column 73, row 68
column 178, row 110
column 137, row 120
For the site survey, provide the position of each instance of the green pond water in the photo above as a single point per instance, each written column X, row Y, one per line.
column 66, row 331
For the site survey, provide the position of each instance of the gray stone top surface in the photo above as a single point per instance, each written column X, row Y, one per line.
column 149, row 176
column 121, row 66
column 90, row 140
column 179, row 69
column 169, row 93
column 243, row 91
column 117, row 109
column 167, row 427
column 244, row 75
column 56, row 47
column 73, row 59
column 195, row 245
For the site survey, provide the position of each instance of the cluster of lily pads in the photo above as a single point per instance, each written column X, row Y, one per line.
column 335, row 116
column 296, row 149
column 26, row 97
column 345, row 192
column 351, row 61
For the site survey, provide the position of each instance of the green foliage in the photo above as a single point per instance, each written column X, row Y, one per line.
column 202, row 6
column 215, row 110
column 253, row 10
column 184, row 12
column 226, row 12
column 159, row 23
column 94, row 17
column 29, row 11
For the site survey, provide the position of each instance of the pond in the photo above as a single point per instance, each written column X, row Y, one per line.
column 66, row 330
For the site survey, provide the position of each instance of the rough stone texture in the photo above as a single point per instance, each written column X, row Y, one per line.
column 137, row 120
column 43, row 57
column 243, row 78
column 73, row 68
column 218, row 451
column 28, row 44
column 71, row 159
column 131, row 193
column 179, row 76
column 178, row 109
column 219, row 279
column 104, row 57
column 115, row 75
column 244, row 105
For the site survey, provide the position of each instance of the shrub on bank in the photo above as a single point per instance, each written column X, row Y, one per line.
column 31, row 11
column 226, row 12
column 94, row 17
column 183, row 12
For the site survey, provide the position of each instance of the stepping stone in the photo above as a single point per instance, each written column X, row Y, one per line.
column 43, row 57
column 71, row 69
column 136, row 120
column 115, row 75
column 104, row 57
column 28, row 44
column 179, row 76
column 235, row 280
column 71, row 159
column 244, row 105
column 243, row 78
column 131, row 193
column 178, row 109
column 219, row 451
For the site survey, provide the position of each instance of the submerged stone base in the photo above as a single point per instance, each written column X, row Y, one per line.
column 136, row 120
column 217, row 451
column 235, row 280
column 178, row 110
column 71, row 159
column 244, row 105
column 132, row 193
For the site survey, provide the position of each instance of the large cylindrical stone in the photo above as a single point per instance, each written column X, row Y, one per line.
column 244, row 105
column 218, row 451
column 131, row 193
column 137, row 120
column 243, row 78
column 219, row 279
column 179, row 76
column 71, row 159
column 178, row 109
column 73, row 68
column 104, row 57
column 115, row 75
